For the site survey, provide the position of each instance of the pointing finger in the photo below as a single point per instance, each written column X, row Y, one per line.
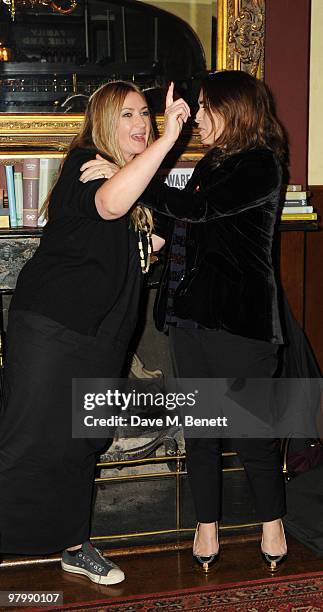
column 170, row 95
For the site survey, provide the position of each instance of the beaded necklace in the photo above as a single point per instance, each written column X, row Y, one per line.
column 144, row 261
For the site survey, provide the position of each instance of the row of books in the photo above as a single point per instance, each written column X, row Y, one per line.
column 297, row 205
column 23, row 190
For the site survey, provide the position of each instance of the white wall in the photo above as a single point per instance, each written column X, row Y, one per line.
column 315, row 159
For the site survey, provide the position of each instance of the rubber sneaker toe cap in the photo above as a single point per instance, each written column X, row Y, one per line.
column 114, row 576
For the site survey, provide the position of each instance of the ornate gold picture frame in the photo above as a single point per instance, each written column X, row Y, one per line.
column 241, row 36
column 240, row 46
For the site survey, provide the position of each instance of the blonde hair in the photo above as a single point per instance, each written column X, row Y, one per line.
column 99, row 132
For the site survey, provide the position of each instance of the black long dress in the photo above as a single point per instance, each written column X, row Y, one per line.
column 46, row 476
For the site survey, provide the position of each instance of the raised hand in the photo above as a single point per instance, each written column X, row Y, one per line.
column 97, row 168
column 170, row 95
column 176, row 114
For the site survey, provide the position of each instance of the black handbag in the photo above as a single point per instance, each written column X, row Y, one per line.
column 303, row 458
column 304, row 518
column 300, row 456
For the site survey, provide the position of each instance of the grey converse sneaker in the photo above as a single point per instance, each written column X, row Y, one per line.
column 88, row 561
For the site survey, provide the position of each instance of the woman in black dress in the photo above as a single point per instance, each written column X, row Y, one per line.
column 221, row 307
column 72, row 316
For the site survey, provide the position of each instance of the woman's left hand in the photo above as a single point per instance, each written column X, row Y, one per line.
column 97, row 168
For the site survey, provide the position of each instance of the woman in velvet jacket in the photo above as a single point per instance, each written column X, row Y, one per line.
column 218, row 295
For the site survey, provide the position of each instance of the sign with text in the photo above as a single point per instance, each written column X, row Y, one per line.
column 177, row 177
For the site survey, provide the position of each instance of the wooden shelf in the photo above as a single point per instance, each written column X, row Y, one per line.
column 34, row 96
column 13, row 69
column 19, row 154
column 299, row 226
column 21, row 232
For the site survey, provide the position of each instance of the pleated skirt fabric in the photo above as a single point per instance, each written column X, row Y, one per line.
column 46, row 476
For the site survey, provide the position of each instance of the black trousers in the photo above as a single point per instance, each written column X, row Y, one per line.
column 46, row 475
column 199, row 353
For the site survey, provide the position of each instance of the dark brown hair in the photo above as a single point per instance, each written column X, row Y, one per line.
column 246, row 106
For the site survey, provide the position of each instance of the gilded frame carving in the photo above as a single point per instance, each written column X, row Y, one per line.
column 241, row 36
column 240, row 46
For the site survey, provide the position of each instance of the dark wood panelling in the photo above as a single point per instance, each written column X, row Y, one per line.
column 287, row 50
column 292, row 270
column 287, row 74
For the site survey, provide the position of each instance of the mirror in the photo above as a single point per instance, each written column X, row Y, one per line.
column 51, row 61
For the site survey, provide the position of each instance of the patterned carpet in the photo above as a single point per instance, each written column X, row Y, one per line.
column 299, row 593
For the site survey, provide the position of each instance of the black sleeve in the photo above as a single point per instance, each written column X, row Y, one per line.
column 227, row 192
column 85, row 198
column 78, row 197
column 162, row 225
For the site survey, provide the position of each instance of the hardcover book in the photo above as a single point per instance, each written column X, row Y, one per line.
column 294, row 188
column 302, row 217
column 11, row 196
column 4, row 218
column 30, row 191
column 294, row 210
column 3, row 185
column 17, row 177
column 295, row 202
column 47, row 176
column 297, row 195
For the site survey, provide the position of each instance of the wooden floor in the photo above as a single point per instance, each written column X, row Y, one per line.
column 159, row 572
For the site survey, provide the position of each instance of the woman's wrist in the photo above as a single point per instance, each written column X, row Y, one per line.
column 168, row 140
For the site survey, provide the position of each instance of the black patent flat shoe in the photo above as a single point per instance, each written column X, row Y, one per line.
column 273, row 562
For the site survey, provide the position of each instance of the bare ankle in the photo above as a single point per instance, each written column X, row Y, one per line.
column 206, row 539
column 75, row 547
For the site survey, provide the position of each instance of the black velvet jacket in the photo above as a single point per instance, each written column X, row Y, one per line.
column 231, row 208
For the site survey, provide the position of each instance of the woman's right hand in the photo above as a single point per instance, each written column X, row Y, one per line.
column 176, row 114
column 97, row 168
